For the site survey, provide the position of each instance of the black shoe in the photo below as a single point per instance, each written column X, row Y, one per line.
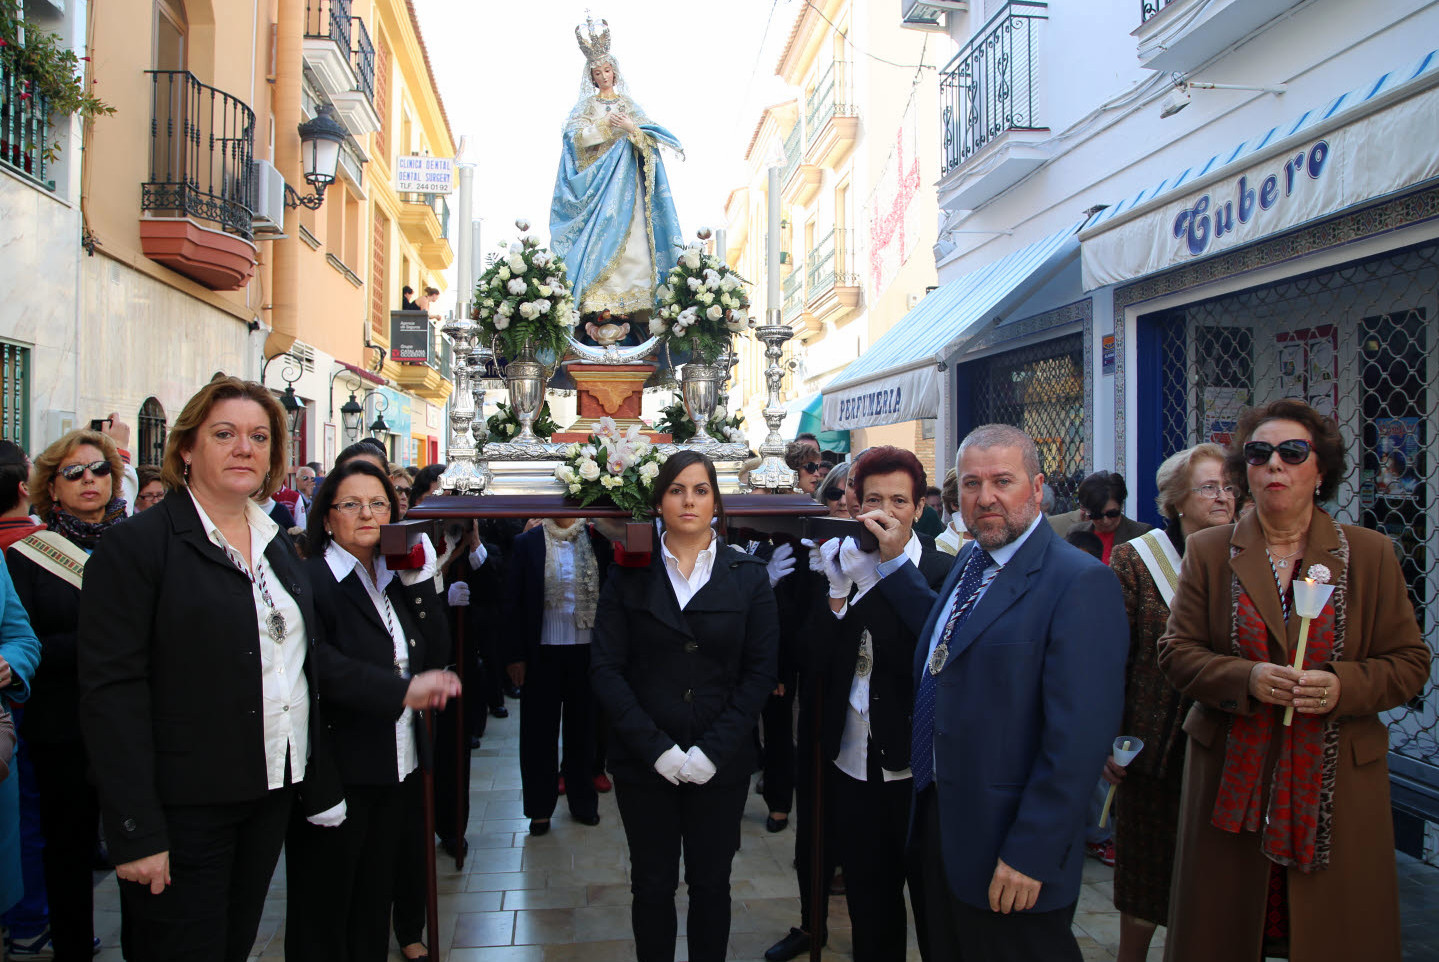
column 773, row 824
column 590, row 820
column 539, row 827
column 474, row 742
column 512, row 691
column 455, row 850
column 791, row 946
column 501, row 712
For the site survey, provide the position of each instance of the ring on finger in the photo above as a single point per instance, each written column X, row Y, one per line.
column 1324, row 703
column 1271, row 692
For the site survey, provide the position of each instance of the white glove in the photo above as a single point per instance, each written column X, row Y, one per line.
column 478, row 556
column 859, row 565
column 458, row 595
column 697, row 769
column 670, row 763
column 781, row 563
column 815, row 564
column 839, row 582
column 331, row 817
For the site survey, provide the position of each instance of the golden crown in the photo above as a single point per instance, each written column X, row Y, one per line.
column 598, row 46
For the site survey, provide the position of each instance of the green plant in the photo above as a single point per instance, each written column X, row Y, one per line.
column 503, row 425
column 723, row 426
column 614, row 466
column 44, row 67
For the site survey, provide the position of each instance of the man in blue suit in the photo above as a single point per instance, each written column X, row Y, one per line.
column 1019, row 690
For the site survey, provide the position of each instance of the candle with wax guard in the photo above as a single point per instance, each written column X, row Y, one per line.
column 1126, row 747
column 1310, row 597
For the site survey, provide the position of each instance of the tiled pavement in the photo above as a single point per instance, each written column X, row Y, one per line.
column 566, row 895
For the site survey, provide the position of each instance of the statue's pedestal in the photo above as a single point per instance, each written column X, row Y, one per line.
column 608, row 390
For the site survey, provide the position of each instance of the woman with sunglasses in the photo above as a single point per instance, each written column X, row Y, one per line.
column 76, row 488
column 1101, row 497
column 1286, row 835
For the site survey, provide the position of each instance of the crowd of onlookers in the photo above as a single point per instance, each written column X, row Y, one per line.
column 202, row 664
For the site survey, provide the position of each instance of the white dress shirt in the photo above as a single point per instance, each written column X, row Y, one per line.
column 853, row 757
column 557, row 624
column 284, row 690
column 699, row 576
column 341, row 562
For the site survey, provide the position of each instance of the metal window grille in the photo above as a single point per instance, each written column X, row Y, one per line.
column 151, row 422
column 1040, row 389
column 1354, row 342
column 25, row 135
column 15, row 394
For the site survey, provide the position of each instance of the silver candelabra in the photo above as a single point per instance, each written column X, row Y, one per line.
column 466, row 472
column 773, row 473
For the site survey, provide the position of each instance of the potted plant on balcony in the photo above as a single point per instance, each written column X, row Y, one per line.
column 39, row 75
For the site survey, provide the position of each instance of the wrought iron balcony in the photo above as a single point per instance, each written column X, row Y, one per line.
column 329, row 19
column 829, row 98
column 793, row 295
column 25, row 137
column 991, row 85
column 831, row 263
column 792, row 152
column 1151, row 8
column 202, row 141
column 362, row 58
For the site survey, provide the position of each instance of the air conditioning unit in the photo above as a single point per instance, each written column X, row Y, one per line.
column 269, row 213
column 925, row 14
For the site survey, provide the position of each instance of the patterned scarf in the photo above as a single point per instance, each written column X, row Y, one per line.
column 85, row 534
column 1297, row 829
column 587, row 572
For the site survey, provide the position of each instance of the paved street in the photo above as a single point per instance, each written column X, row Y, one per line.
column 565, row 896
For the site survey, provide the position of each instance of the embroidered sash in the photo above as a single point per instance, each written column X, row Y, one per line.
column 1157, row 552
column 56, row 554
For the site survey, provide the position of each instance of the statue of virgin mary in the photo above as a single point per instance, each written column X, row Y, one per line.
column 613, row 217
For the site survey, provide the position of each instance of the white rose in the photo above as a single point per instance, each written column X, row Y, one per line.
column 691, row 259
column 611, row 481
column 664, row 292
column 562, row 472
column 573, row 451
column 589, row 470
column 714, row 313
column 505, row 308
column 729, row 282
column 639, row 448
column 503, row 273
column 516, row 286
column 516, row 263
column 575, row 488
column 650, row 471
column 528, row 310
column 501, row 322
column 546, row 290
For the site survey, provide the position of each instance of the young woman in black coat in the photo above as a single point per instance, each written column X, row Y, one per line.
column 386, row 643
column 684, row 658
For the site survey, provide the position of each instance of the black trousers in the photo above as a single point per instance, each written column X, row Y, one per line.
column 871, row 823
column 411, row 890
column 340, row 881
column 557, row 688
column 804, row 794
column 69, row 823
column 221, row 861
column 661, row 820
column 779, row 750
column 953, row 930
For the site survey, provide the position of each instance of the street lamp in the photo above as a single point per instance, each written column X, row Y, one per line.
column 382, row 405
column 351, row 415
column 294, row 408
column 379, row 427
column 320, row 141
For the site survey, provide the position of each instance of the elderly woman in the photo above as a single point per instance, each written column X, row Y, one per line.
column 954, row 535
column 76, row 489
column 1194, row 494
column 1285, row 831
column 1101, row 498
column 197, row 703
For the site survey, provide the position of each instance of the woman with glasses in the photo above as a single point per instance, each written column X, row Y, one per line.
column 151, row 487
column 1194, row 494
column 1286, row 840
column 802, row 459
column 386, row 643
column 75, row 489
column 1101, row 497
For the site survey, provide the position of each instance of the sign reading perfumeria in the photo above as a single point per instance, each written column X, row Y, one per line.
column 424, row 175
column 1296, row 182
column 904, row 396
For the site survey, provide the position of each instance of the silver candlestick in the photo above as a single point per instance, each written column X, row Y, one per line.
column 773, row 473
column 461, row 475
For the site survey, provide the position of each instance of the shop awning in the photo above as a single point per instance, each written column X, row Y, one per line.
column 802, row 415
column 897, row 379
column 1364, row 144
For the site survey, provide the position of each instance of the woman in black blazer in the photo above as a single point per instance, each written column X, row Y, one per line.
column 198, row 701
column 866, row 656
column 387, row 641
column 684, row 658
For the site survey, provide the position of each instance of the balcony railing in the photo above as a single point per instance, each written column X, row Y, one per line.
column 329, row 19
column 991, row 86
column 793, row 295
column 831, row 263
column 792, row 152
column 1151, row 8
column 362, row 58
column 830, row 97
column 202, row 141
column 24, row 127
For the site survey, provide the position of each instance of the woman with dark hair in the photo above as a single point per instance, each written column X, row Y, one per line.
column 425, row 480
column 1285, row 831
column 381, row 664
column 198, row 701
column 866, row 658
column 1101, row 497
column 75, row 488
column 684, row 659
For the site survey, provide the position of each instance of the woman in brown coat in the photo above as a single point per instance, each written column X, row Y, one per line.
column 1285, row 832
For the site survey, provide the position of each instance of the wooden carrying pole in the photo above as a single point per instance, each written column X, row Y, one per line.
column 462, row 743
column 818, row 880
column 432, row 899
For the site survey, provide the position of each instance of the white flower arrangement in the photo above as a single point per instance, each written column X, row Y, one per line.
column 523, row 301
column 616, row 466
column 701, row 300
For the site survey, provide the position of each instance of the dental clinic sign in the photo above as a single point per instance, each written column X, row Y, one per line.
column 1275, row 183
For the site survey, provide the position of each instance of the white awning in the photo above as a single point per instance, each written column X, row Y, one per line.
column 897, row 379
column 1372, row 141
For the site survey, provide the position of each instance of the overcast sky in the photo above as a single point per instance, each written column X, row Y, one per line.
column 509, row 74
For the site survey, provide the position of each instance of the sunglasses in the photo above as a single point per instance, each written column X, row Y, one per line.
column 811, row 467
column 1293, row 451
column 1111, row 514
column 74, row 472
column 833, row 494
column 403, row 491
